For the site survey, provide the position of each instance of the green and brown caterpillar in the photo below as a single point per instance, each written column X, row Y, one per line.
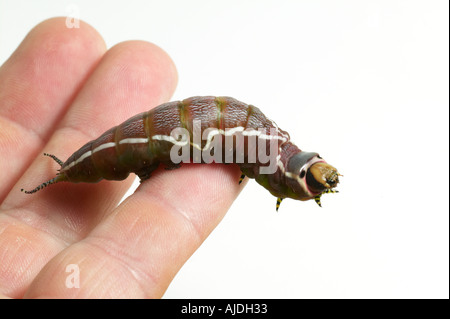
column 231, row 132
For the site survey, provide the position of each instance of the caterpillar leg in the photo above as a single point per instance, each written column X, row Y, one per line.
column 327, row 191
column 171, row 166
column 241, row 178
column 317, row 199
column 146, row 172
column 143, row 177
column 279, row 200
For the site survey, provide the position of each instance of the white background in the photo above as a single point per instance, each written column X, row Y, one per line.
column 365, row 83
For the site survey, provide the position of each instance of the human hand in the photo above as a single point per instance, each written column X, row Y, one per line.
column 59, row 90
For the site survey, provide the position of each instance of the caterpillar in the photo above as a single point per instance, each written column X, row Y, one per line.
column 202, row 129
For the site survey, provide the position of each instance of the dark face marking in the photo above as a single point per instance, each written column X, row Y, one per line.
column 333, row 180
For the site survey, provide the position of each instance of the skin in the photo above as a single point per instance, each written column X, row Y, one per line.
column 58, row 90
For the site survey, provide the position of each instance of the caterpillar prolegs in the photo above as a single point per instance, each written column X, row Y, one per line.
column 202, row 129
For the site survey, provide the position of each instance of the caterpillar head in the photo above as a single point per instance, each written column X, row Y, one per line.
column 321, row 176
column 309, row 176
